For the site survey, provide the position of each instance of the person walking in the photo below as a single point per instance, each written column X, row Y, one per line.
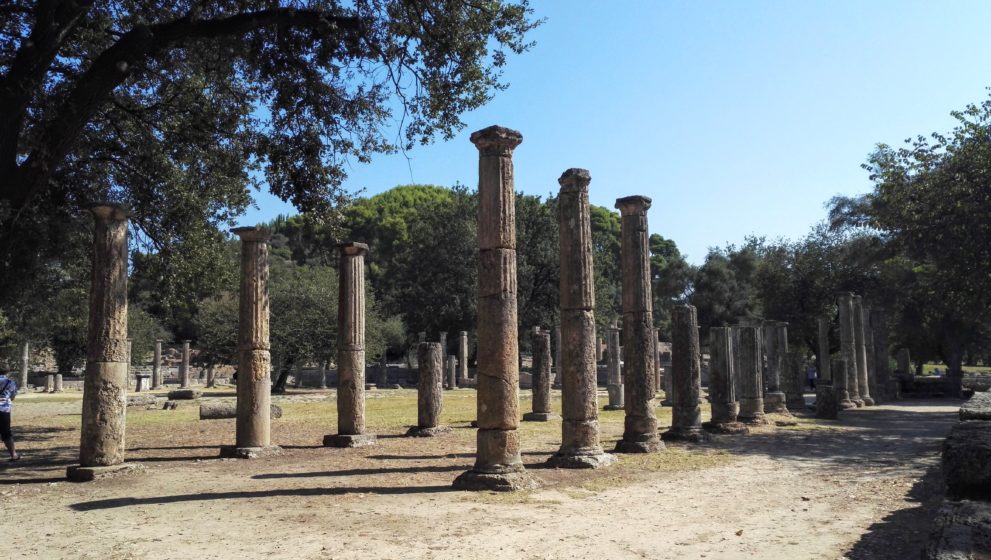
column 8, row 390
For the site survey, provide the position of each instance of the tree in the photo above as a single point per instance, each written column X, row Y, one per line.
column 179, row 108
column 671, row 280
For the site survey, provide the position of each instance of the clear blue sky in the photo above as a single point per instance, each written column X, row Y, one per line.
column 736, row 117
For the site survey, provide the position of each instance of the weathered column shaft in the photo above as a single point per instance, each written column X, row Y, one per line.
column 872, row 381
column 452, row 372
column 541, row 377
column 184, row 366
column 722, row 386
column 579, row 345
column 105, row 383
column 686, row 375
column 904, row 361
column 657, row 363
column 844, row 301
column 557, row 356
column 860, row 349
column 22, row 379
column 463, row 358
column 640, row 427
column 748, row 357
column 351, row 339
column 614, row 372
column 823, row 356
column 498, row 465
column 776, row 346
column 156, row 367
column 429, row 396
column 254, row 397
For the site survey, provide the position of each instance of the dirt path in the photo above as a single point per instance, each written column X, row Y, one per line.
column 861, row 488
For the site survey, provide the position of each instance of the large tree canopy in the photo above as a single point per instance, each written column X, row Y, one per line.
column 179, row 108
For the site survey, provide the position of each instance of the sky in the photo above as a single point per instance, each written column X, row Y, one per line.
column 736, row 117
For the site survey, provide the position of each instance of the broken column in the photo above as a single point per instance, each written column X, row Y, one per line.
column 104, row 409
column 827, row 397
column 860, row 349
column 50, row 383
column 557, row 357
column 541, row 375
column 775, row 400
column 748, row 357
column 657, row 362
column 848, row 351
column 452, row 372
column 722, row 384
column 254, row 394
column 22, row 379
column 429, row 393
column 640, row 428
column 795, row 373
column 156, row 366
column 686, row 377
column 57, row 383
column 211, row 378
column 463, row 359
column 351, row 349
column 184, row 366
column 580, row 446
column 498, row 465
column 614, row 370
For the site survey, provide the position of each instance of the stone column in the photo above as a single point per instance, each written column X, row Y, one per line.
column 211, row 380
column 22, row 379
column 254, row 371
column 722, row 384
column 904, row 361
column 882, row 365
column 657, row 362
column 383, row 377
column 351, row 349
column 614, row 372
column 50, row 383
column 666, row 383
column 156, row 367
column 775, row 400
column 463, row 359
column 184, row 366
column 579, row 348
column 640, row 428
column 429, row 396
column 541, row 379
column 498, row 465
column 104, row 409
column 748, row 357
column 795, row 372
column 827, row 397
column 598, row 350
column 130, row 364
column 848, row 352
column 443, row 343
column 860, row 349
column 823, row 356
column 57, row 383
column 872, row 381
column 557, row 357
column 452, row 372
column 686, row 377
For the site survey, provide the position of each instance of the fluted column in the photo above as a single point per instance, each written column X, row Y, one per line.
column 722, row 384
column 184, row 366
column 580, row 446
column 848, row 349
column 22, row 378
column 657, row 362
column 350, row 349
column 774, row 397
column 498, row 465
column 686, row 380
column 640, row 427
column 748, row 359
column 104, row 409
column 860, row 351
column 254, row 387
column 156, row 367
column 614, row 371
column 463, row 359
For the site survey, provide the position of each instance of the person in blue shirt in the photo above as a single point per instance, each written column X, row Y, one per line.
column 8, row 390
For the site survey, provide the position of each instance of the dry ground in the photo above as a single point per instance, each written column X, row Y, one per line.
column 863, row 487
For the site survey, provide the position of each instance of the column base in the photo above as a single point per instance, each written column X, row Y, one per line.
column 79, row 473
column 757, row 419
column 868, row 401
column 235, row 452
column 613, row 407
column 651, row 445
column 495, row 482
column 774, row 403
column 540, row 417
column 579, row 460
column 691, row 434
column 417, row 431
column 352, row 440
column 615, row 397
column 729, row 428
column 858, row 402
column 847, row 404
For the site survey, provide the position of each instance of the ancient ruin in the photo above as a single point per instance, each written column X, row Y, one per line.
column 686, row 377
column 429, row 391
column 722, row 384
column 747, row 354
column 541, row 375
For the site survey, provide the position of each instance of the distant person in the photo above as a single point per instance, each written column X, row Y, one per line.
column 811, row 374
column 8, row 390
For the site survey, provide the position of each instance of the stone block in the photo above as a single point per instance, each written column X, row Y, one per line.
column 977, row 407
column 967, row 460
column 185, row 394
column 961, row 531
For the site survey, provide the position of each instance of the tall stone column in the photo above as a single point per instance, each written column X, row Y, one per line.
column 452, row 372
column 882, row 365
column 860, row 349
column 22, row 379
column 640, row 429
column 541, row 379
column 657, row 362
column 463, row 359
column 748, row 357
column 156, row 367
column 823, row 356
column 557, row 357
column 184, row 365
column 443, row 343
column 104, row 410
column 254, row 371
column 686, row 379
column 429, row 395
column 614, row 372
column 598, row 350
column 130, row 363
column 498, row 465
column 57, row 384
column 351, row 349
column 774, row 398
column 211, row 379
column 580, row 446
column 722, row 384
column 872, row 380
column 848, row 351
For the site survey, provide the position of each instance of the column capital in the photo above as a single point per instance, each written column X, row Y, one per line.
column 108, row 210
column 633, row 205
column 252, row 233
column 575, row 180
column 352, row 248
column 496, row 140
